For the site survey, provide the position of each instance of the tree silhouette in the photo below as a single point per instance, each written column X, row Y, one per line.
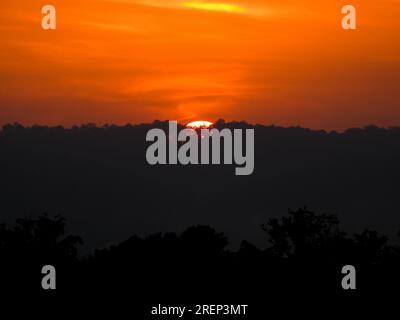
column 303, row 233
column 370, row 246
column 32, row 243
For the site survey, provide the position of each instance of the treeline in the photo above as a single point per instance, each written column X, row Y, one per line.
column 305, row 251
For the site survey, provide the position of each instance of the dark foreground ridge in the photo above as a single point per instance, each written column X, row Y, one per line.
column 302, row 263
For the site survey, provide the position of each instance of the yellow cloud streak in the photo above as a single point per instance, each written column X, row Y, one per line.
column 214, row 6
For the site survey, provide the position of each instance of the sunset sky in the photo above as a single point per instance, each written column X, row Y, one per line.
column 283, row 62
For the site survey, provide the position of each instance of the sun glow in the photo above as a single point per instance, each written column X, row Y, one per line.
column 212, row 6
column 199, row 124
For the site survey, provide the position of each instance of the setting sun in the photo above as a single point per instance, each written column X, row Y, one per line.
column 199, row 124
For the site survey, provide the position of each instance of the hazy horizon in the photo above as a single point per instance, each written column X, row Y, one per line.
column 100, row 125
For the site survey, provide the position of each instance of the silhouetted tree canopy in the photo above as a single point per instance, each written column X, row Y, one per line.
column 37, row 238
column 305, row 252
column 302, row 233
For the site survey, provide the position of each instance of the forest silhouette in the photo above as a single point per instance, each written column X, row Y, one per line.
column 304, row 253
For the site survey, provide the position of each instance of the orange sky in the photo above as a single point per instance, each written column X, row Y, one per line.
column 283, row 62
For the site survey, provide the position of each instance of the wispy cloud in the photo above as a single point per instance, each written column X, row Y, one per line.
column 213, row 6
